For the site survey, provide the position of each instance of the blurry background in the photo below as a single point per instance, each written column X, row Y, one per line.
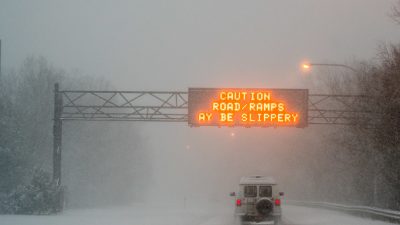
column 173, row 45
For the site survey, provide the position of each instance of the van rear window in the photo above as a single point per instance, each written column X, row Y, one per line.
column 265, row 191
column 250, row 191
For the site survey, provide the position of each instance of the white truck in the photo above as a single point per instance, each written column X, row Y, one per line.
column 258, row 201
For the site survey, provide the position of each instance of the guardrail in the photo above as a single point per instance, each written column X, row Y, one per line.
column 371, row 212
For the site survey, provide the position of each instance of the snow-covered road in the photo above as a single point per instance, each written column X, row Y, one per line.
column 297, row 215
column 139, row 215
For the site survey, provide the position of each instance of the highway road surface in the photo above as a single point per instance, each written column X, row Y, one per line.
column 166, row 215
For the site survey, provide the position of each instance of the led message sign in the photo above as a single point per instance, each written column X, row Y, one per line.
column 247, row 107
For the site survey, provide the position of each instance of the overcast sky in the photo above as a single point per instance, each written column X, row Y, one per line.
column 169, row 45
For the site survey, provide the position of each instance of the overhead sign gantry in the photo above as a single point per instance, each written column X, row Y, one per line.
column 246, row 107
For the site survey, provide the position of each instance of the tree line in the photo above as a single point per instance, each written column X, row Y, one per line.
column 358, row 164
column 100, row 165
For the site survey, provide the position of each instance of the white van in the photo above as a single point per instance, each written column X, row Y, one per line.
column 258, row 201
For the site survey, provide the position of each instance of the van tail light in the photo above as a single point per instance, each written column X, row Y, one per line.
column 238, row 202
column 277, row 202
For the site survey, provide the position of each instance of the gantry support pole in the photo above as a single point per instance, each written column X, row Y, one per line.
column 57, row 135
column 57, row 140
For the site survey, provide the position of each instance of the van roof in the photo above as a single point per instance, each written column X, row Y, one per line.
column 256, row 179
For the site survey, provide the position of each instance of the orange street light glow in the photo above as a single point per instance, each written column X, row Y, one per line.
column 306, row 66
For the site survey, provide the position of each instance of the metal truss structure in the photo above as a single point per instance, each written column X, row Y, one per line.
column 161, row 106
column 336, row 109
column 172, row 106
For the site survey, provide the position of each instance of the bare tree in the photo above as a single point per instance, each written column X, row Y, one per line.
column 395, row 13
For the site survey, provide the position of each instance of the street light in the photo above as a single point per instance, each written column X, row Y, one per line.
column 307, row 66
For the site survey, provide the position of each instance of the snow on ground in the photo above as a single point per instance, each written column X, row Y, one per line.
column 135, row 215
column 146, row 215
column 297, row 215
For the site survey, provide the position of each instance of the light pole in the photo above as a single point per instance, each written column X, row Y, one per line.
column 0, row 58
column 308, row 66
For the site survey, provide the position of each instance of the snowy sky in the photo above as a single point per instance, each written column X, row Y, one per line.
column 170, row 45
